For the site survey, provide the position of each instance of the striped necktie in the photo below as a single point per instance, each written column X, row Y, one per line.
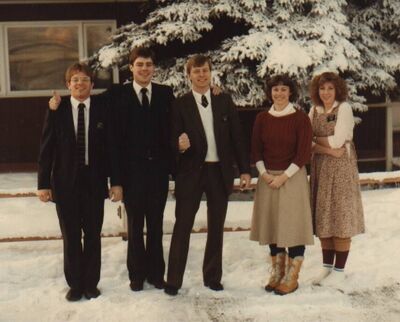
column 80, row 136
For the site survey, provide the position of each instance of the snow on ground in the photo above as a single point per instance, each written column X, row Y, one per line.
column 32, row 286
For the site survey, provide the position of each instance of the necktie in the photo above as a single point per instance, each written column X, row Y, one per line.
column 204, row 101
column 80, row 136
column 145, row 99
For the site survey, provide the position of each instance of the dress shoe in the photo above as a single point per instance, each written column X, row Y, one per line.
column 136, row 286
column 170, row 290
column 73, row 295
column 157, row 284
column 215, row 286
column 92, row 293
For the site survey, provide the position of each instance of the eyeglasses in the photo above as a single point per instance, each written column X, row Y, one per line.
column 85, row 79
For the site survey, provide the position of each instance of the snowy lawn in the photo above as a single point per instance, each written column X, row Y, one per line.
column 32, row 286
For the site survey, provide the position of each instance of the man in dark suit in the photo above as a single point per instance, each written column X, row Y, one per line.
column 141, row 145
column 142, row 109
column 73, row 170
column 207, row 138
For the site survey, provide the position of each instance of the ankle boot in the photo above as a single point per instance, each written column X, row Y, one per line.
column 277, row 271
column 325, row 271
column 290, row 282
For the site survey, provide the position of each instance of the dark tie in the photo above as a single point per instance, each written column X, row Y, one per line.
column 204, row 101
column 80, row 136
column 145, row 99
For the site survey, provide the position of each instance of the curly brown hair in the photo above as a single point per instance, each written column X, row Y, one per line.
column 339, row 83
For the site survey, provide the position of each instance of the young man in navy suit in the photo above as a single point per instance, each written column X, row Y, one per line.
column 74, row 163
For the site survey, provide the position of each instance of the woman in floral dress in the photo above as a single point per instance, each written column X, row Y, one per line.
column 335, row 193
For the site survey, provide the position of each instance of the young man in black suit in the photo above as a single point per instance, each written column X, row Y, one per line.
column 141, row 145
column 207, row 138
column 74, row 163
column 142, row 110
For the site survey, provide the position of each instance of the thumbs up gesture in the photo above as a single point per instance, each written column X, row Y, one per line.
column 55, row 101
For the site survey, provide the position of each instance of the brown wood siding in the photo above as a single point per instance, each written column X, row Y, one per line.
column 21, row 122
column 123, row 12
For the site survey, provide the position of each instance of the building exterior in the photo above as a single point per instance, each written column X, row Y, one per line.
column 38, row 40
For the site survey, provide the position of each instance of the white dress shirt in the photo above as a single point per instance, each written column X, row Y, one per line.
column 208, row 125
column 75, row 103
column 292, row 168
column 137, row 88
column 344, row 125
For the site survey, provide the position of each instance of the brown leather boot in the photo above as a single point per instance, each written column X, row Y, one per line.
column 277, row 271
column 289, row 283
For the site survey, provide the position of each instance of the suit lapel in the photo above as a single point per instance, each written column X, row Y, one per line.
column 69, row 120
column 195, row 114
column 154, row 97
column 216, row 117
column 92, row 125
column 131, row 96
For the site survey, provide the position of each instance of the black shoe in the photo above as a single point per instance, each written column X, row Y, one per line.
column 73, row 295
column 170, row 290
column 158, row 284
column 136, row 286
column 92, row 293
column 215, row 286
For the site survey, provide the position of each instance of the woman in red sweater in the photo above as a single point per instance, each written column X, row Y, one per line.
column 281, row 146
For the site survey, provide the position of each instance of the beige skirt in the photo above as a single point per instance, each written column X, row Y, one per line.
column 283, row 216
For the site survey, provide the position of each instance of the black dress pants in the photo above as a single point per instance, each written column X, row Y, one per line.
column 146, row 204
column 81, row 212
column 212, row 184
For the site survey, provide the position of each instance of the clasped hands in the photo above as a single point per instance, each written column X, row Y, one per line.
column 274, row 181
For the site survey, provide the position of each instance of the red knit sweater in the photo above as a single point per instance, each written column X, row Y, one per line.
column 280, row 141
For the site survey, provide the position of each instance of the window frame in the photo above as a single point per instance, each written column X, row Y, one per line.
column 81, row 25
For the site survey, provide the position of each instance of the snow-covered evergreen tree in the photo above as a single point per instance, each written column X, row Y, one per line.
column 358, row 39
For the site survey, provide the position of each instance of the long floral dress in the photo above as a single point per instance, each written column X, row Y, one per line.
column 335, row 193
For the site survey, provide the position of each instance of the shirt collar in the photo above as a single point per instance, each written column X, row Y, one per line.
column 138, row 87
column 197, row 96
column 289, row 109
column 75, row 102
column 321, row 109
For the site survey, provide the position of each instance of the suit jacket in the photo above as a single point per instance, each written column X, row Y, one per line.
column 229, row 139
column 142, row 135
column 57, row 161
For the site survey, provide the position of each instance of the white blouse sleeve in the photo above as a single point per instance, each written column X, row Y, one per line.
column 291, row 170
column 311, row 114
column 261, row 167
column 343, row 128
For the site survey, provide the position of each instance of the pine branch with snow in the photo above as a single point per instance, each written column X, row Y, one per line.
column 300, row 37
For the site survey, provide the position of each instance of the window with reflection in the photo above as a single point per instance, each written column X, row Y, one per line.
column 35, row 55
column 39, row 56
column 97, row 36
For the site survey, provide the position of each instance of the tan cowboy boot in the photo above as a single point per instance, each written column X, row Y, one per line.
column 289, row 283
column 277, row 271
